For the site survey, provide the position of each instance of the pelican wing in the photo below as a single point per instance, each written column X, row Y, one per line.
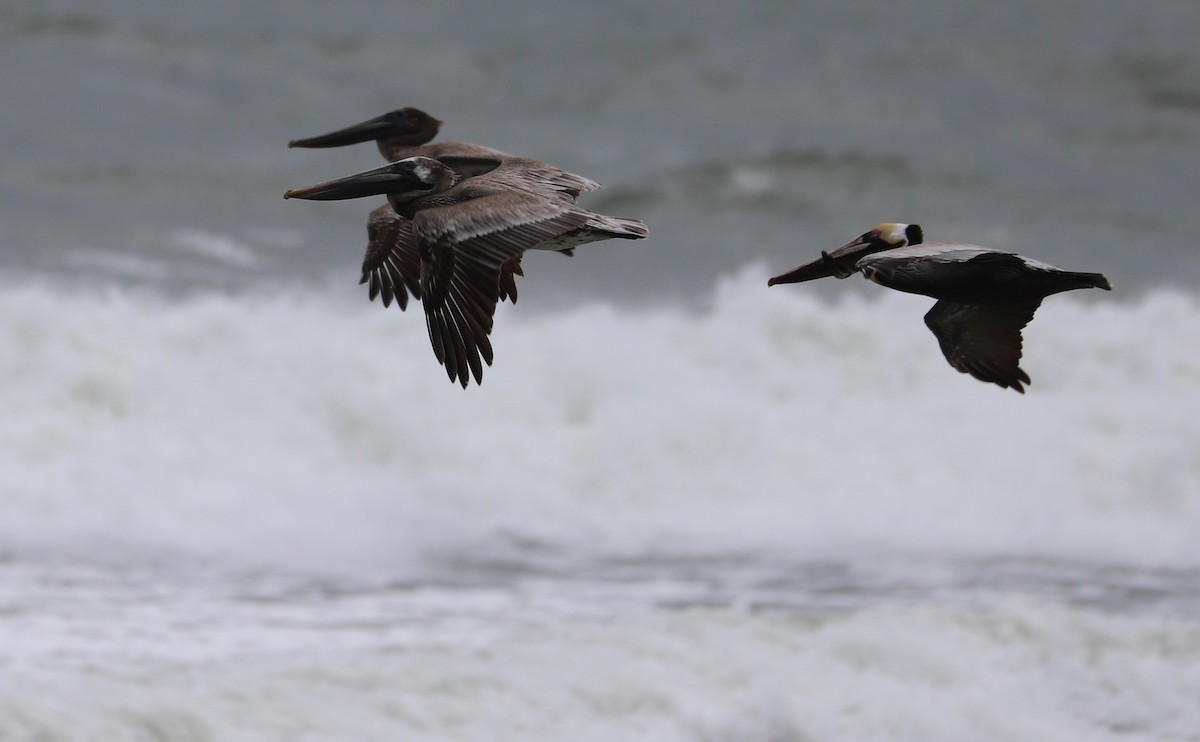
column 468, row 253
column 539, row 179
column 469, row 166
column 983, row 340
column 519, row 173
column 392, row 265
column 465, row 158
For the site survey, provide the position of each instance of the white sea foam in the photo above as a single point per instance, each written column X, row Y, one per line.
column 306, row 432
column 1016, row 671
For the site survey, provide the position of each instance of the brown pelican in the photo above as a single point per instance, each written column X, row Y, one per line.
column 985, row 297
column 406, row 132
column 465, row 231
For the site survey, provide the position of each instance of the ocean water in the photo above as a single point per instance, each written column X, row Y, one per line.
column 273, row 518
column 239, row 501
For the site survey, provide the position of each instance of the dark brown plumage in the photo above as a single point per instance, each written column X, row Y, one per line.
column 985, row 297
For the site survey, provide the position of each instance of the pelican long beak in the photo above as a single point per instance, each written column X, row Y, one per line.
column 390, row 178
column 838, row 263
column 380, row 127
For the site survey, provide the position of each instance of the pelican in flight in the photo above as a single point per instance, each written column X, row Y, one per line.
column 407, row 132
column 985, row 297
column 465, row 230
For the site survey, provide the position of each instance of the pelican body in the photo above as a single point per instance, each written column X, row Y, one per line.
column 465, row 232
column 985, row 297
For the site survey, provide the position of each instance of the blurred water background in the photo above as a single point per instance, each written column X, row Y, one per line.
column 238, row 501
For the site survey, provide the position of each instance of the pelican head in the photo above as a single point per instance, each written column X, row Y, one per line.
column 894, row 235
column 404, row 125
column 840, row 262
column 402, row 181
column 886, row 236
